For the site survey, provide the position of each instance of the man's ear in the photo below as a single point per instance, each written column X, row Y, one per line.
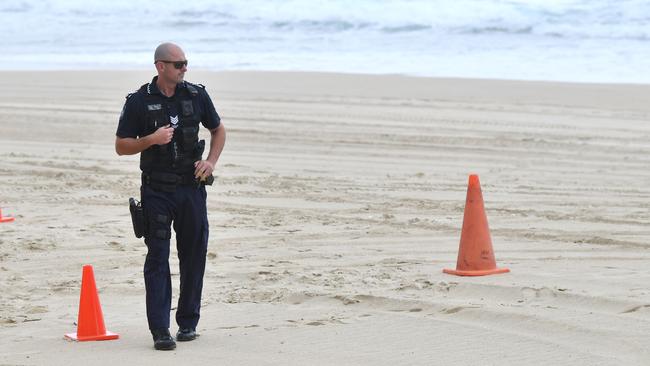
column 160, row 66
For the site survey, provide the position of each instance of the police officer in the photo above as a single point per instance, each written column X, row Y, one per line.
column 161, row 122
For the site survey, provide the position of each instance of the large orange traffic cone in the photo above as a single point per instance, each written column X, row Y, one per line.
column 475, row 255
column 6, row 218
column 90, row 323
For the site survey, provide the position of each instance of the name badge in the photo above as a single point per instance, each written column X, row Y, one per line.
column 154, row 107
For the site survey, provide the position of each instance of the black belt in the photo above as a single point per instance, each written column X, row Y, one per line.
column 168, row 182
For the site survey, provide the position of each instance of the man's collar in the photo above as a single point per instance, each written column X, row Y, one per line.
column 152, row 88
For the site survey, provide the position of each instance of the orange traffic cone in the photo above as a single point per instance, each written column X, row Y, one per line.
column 6, row 218
column 475, row 255
column 90, row 323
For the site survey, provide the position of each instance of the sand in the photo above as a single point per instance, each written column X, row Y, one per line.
column 338, row 201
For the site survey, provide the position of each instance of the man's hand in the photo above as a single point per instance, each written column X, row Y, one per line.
column 132, row 145
column 203, row 169
column 163, row 135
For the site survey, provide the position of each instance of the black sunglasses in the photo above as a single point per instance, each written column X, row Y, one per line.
column 177, row 64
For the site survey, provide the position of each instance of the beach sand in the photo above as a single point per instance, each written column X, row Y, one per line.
column 338, row 201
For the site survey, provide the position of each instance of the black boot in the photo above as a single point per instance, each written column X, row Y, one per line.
column 186, row 334
column 162, row 340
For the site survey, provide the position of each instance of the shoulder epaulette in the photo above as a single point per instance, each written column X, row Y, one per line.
column 143, row 89
column 192, row 89
column 194, row 85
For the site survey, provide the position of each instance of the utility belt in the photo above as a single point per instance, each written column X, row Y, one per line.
column 164, row 182
column 167, row 182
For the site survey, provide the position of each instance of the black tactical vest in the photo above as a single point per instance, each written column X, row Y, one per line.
column 179, row 155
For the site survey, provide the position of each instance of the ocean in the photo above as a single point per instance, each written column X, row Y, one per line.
column 562, row 40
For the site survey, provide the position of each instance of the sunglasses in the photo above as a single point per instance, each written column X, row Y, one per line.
column 177, row 64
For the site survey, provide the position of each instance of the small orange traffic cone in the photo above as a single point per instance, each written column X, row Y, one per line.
column 6, row 218
column 90, row 323
column 475, row 255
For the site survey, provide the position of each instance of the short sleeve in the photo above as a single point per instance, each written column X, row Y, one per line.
column 209, row 118
column 131, row 119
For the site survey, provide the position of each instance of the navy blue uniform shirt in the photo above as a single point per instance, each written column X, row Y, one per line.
column 132, row 119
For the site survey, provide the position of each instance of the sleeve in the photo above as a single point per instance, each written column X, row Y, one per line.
column 209, row 118
column 131, row 119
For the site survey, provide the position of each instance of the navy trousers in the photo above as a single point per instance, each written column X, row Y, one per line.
column 186, row 209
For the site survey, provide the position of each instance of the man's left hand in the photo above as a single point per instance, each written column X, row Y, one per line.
column 203, row 169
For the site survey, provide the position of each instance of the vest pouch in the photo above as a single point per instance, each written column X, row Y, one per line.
column 155, row 118
column 164, row 153
column 156, row 156
column 188, row 108
column 189, row 137
column 198, row 152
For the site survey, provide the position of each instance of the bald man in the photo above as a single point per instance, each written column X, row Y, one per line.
column 160, row 121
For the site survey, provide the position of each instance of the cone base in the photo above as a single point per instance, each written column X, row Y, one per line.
column 6, row 219
column 101, row 337
column 484, row 272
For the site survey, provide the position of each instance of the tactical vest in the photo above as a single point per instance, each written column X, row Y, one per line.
column 179, row 155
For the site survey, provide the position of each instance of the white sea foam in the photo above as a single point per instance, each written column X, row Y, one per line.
column 579, row 40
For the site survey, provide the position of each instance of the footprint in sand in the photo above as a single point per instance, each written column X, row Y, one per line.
column 636, row 309
column 37, row 310
column 115, row 245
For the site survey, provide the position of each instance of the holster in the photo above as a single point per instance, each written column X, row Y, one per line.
column 137, row 217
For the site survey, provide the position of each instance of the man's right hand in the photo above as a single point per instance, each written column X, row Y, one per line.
column 132, row 145
column 163, row 135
